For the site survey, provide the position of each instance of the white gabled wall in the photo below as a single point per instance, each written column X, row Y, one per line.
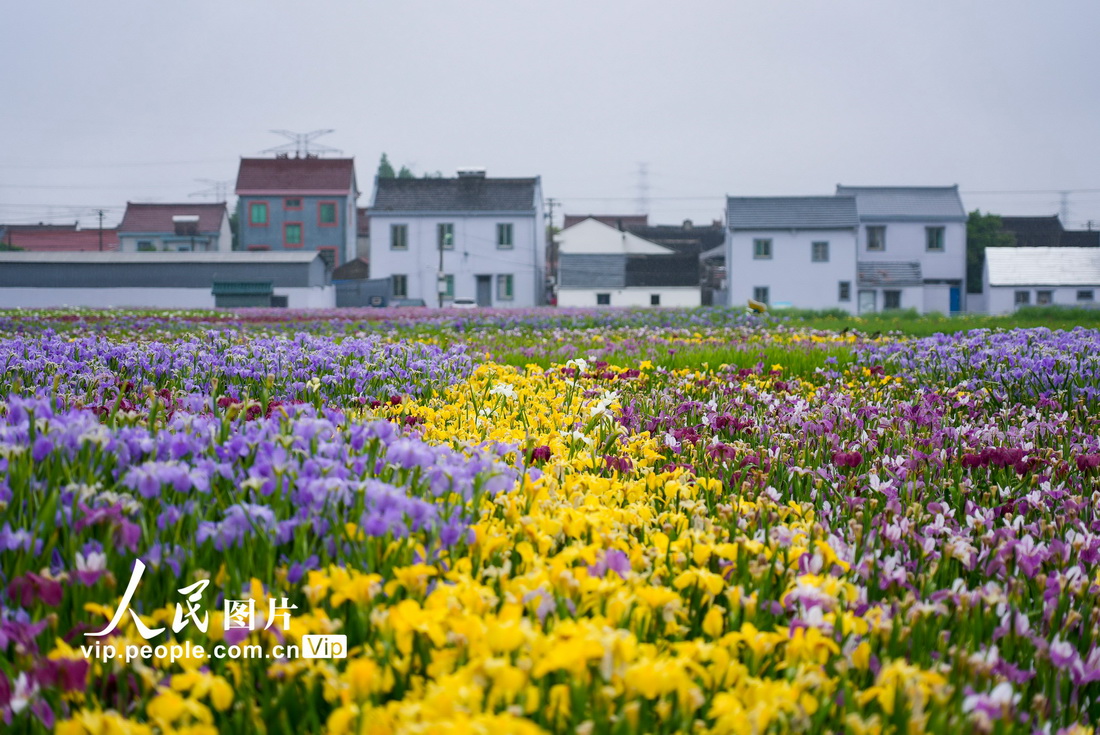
column 791, row 275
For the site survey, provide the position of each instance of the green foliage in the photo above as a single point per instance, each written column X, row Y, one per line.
column 385, row 168
column 982, row 231
column 405, row 173
column 234, row 221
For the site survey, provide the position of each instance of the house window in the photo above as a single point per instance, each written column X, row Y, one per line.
column 1085, row 295
column 446, row 235
column 292, row 204
column 326, row 214
column 603, row 299
column 891, row 299
column 762, row 248
column 876, row 238
column 257, row 213
column 447, row 286
column 655, row 299
column 845, row 291
column 820, row 252
column 146, row 246
column 399, row 237
column 933, row 237
column 292, row 234
column 400, row 285
column 760, row 293
column 504, row 287
column 1023, row 298
column 1044, row 297
column 504, row 235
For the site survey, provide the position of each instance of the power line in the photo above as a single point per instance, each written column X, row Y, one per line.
column 114, row 187
column 130, row 164
column 1031, row 191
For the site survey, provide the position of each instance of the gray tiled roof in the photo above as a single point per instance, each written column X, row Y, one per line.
column 453, row 195
column 1059, row 266
column 588, row 270
column 900, row 203
column 886, row 273
column 804, row 213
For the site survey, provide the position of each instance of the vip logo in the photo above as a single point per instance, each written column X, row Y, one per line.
column 324, row 646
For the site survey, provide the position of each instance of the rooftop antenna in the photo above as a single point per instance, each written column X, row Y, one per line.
column 642, row 202
column 302, row 144
column 217, row 189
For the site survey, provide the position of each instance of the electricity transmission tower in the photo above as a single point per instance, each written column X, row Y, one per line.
column 301, row 144
column 642, row 202
column 217, row 189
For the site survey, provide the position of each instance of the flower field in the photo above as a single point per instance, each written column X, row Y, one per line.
column 545, row 521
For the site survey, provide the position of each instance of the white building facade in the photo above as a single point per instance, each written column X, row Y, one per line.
column 900, row 226
column 865, row 249
column 600, row 265
column 1040, row 276
column 467, row 237
column 792, row 251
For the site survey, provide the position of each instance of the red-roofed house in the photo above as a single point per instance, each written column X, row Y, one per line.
column 298, row 204
column 175, row 227
column 56, row 238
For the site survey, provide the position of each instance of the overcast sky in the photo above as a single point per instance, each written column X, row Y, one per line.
column 135, row 100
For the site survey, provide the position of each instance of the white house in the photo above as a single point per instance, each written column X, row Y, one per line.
column 465, row 237
column 907, row 225
column 600, row 265
column 1023, row 276
column 792, row 251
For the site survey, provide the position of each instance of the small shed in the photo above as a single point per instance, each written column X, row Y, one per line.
column 1041, row 276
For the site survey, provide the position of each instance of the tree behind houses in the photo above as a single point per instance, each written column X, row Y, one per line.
column 982, row 231
column 385, row 168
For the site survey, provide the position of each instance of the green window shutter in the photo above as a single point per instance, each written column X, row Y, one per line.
column 293, row 234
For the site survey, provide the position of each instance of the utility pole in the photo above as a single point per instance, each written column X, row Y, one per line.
column 100, row 212
column 439, row 274
column 551, row 249
column 1065, row 207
